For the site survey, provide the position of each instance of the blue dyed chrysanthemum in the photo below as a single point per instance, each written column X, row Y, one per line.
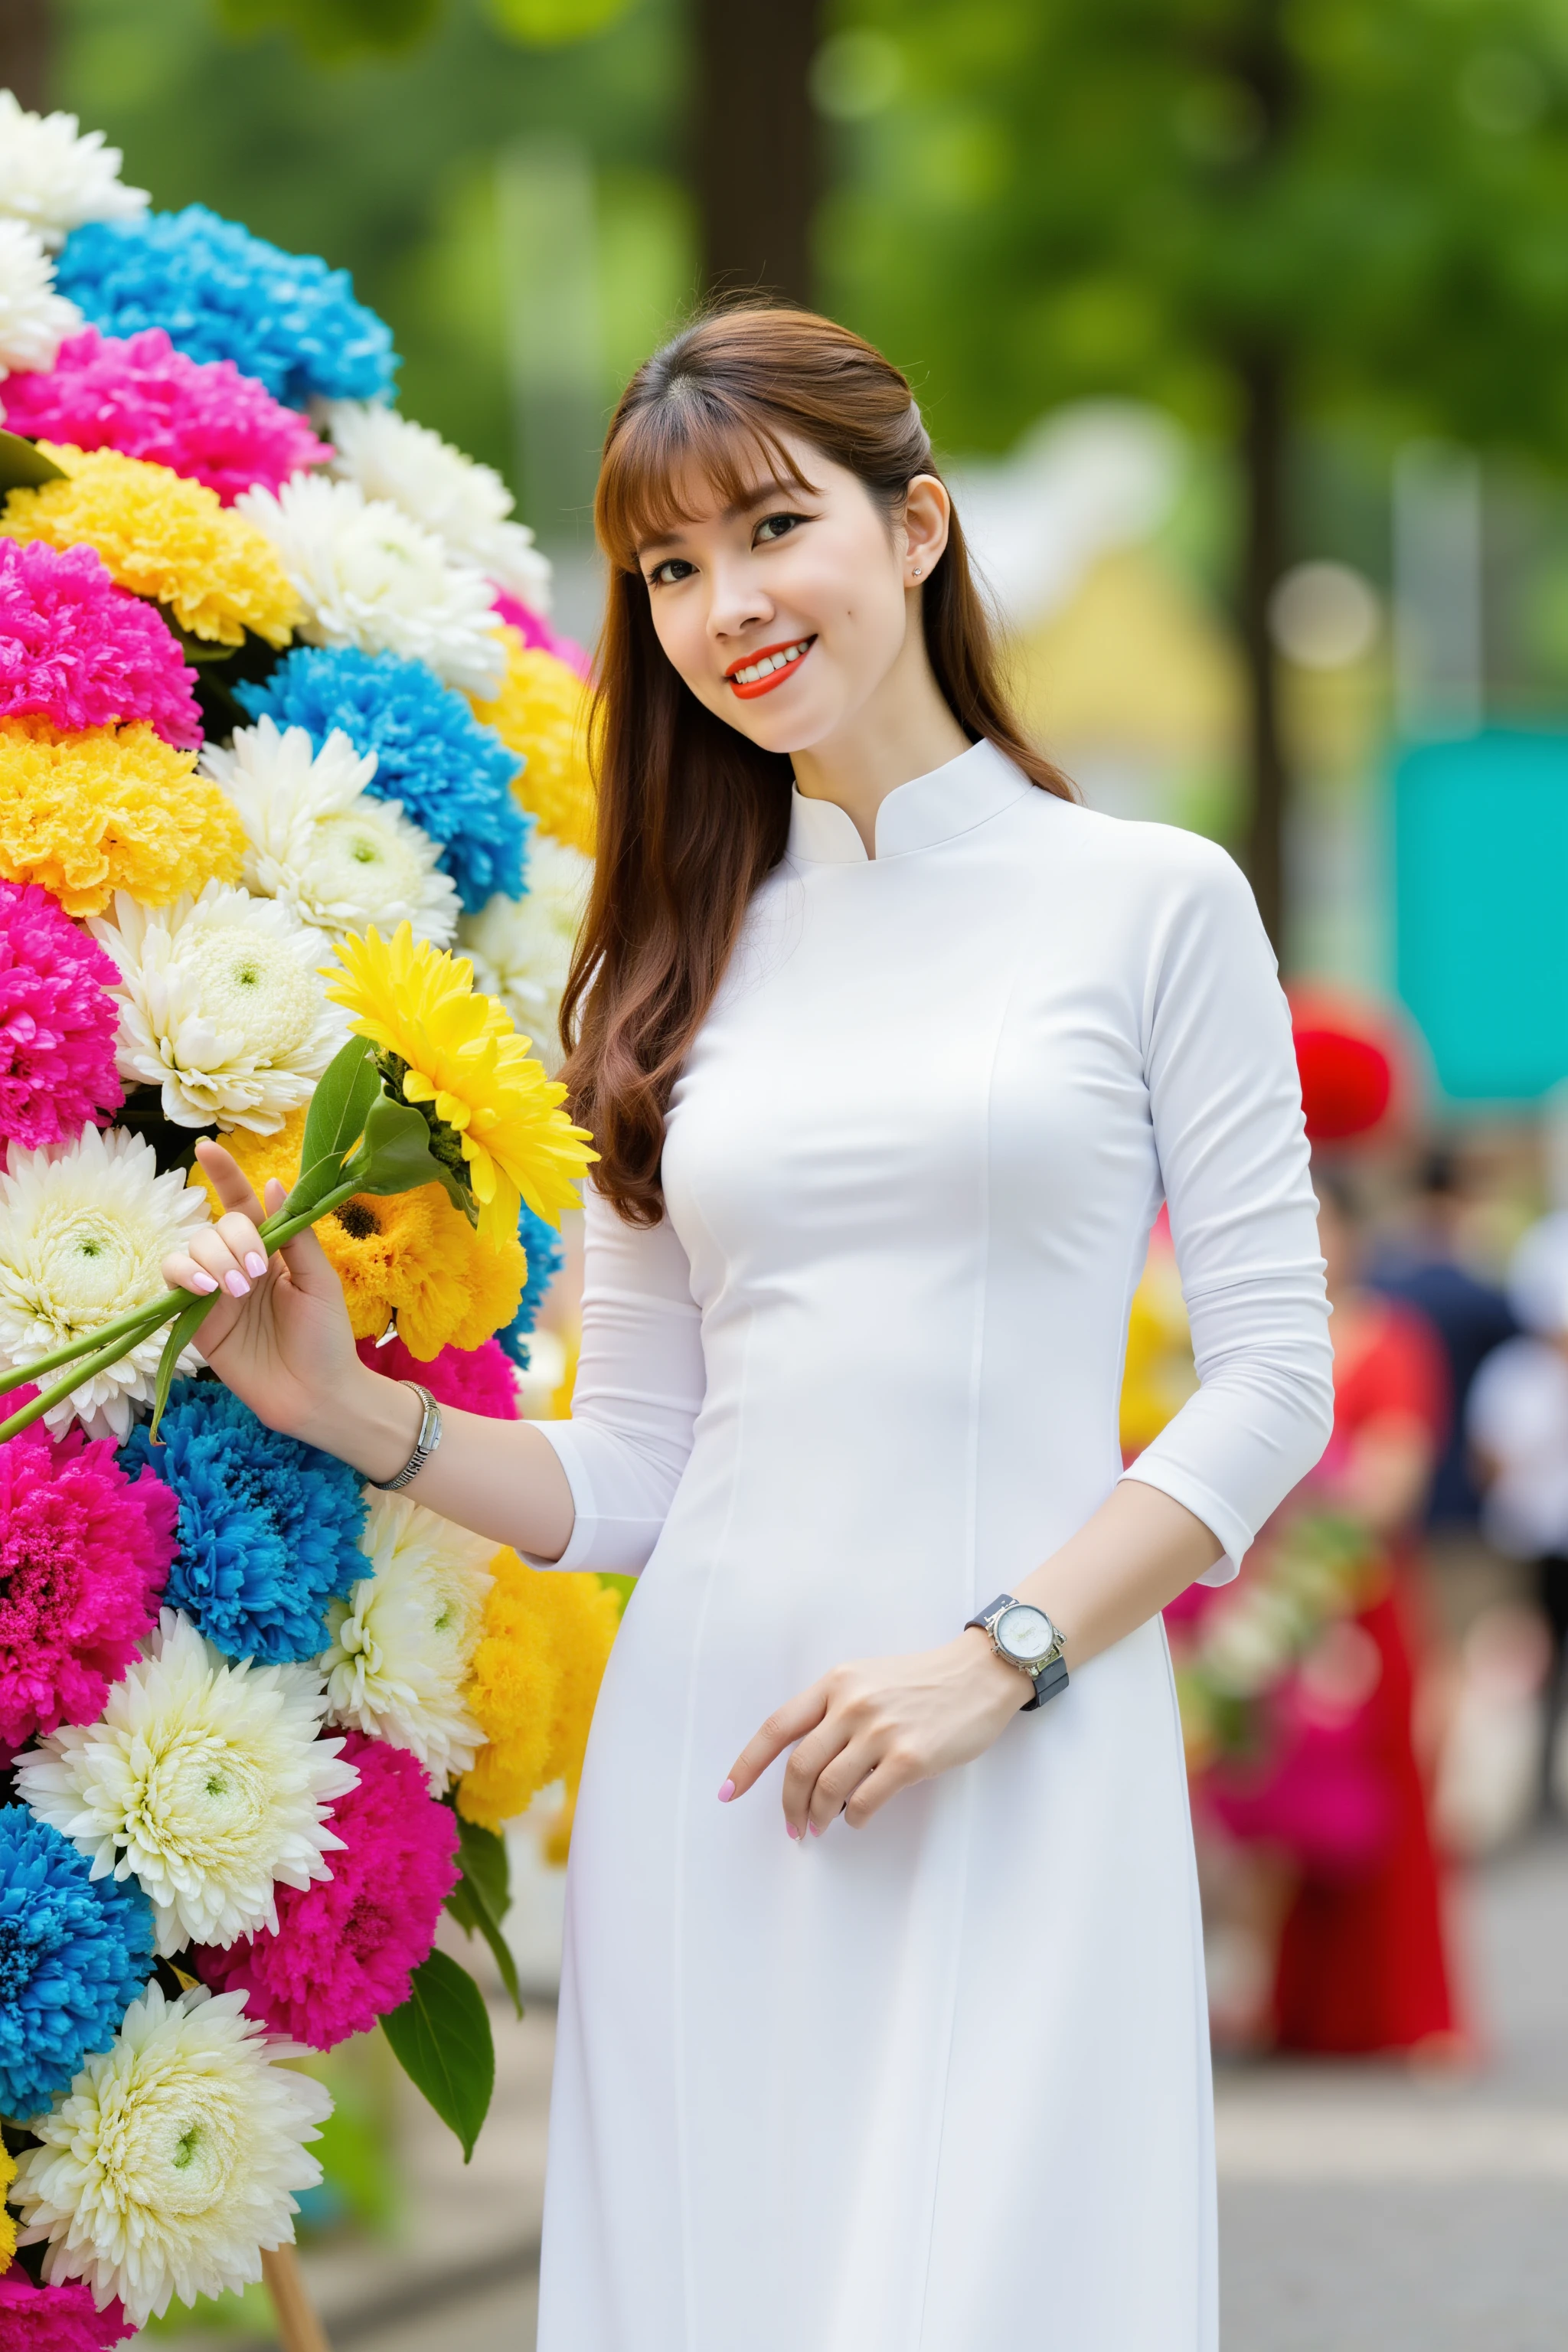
column 452, row 775
column 75, row 1951
column 219, row 293
column 542, row 1248
column 269, row 1530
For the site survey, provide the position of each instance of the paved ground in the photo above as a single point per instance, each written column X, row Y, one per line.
column 1363, row 2209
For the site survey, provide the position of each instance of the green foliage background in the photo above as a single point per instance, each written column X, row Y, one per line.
column 387, row 162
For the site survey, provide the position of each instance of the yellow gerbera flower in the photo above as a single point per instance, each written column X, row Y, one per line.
column 411, row 1258
column 7, row 2218
column 458, row 1053
column 107, row 809
column 537, row 1670
column 544, row 712
column 161, row 536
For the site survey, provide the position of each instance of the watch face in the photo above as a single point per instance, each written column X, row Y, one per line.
column 1024, row 1634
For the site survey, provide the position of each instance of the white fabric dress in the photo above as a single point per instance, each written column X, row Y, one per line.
column 941, row 2085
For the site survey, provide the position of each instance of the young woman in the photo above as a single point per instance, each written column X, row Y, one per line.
column 883, row 2024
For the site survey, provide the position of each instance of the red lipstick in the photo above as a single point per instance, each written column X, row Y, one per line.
column 796, row 648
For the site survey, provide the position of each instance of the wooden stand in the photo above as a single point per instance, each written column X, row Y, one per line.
column 298, row 2330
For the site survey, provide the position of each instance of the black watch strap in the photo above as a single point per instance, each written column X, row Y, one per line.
column 1048, row 1682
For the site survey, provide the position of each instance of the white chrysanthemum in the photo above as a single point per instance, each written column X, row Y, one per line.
column 84, row 1230
column 403, row 1642
column 467, row 505
column 521, row 947
column 369, row 575
column 318, row 840
column 174, row 2156
column 222, row 1003
column 204, row 1780
column 33, row 320
column 55, row 176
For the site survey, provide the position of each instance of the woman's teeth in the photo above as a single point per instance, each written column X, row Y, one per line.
column 766, row 666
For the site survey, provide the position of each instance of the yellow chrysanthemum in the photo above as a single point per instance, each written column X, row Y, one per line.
column 411, row 1255
column 110, row 808
column 7, row 2218
column 466, row 1061
column 161, row 536
column 543, row 713
column 537, row 1671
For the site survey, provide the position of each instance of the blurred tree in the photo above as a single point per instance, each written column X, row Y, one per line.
column 392, row 163
column 25, row 47
column 755, row 145
column 753, row 130
column 1260, row 212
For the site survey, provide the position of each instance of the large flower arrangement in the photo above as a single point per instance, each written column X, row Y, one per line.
column 274, row 672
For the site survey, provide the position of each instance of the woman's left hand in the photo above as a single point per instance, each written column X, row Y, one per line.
column 866, row 1730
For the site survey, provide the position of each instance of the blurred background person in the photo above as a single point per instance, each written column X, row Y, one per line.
column 1517, row 1426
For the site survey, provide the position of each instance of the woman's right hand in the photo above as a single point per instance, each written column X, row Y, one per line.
column 278, row 1333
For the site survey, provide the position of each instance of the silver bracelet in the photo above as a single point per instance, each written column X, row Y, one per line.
column 425, row 1444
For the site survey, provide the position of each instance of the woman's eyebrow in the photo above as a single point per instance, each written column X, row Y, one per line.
column 741, row 505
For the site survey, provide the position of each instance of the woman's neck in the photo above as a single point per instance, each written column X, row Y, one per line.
column 905, row 730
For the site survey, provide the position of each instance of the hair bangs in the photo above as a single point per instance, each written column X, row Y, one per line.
column 695, row 434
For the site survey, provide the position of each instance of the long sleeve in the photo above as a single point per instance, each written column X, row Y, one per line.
column 639, row 1388
column 1226, row 1107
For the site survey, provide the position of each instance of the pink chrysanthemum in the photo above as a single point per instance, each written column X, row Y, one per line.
column 475, row 1379
column 536, row 630
column 57, row 1022
column 138, row 394
column 84, row 1553
column 62, row 2318
column 346, row 1946
column 79, row 651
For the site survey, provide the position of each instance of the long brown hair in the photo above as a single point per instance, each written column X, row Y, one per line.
column 692, row 814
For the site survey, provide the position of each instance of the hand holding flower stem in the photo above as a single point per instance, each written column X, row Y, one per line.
column 359, row 1137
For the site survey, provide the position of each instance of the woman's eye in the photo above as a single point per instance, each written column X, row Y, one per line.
column 778, row 526
column 673, row 568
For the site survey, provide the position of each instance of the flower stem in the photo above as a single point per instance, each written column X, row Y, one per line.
column 81, row 1373
column 134, row 1324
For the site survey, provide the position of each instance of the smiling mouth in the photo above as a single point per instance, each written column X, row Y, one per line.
column 762, row 672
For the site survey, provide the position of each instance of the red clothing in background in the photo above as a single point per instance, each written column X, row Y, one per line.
column 1361, row 1961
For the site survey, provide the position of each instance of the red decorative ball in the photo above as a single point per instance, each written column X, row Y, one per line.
column 1346, row 1083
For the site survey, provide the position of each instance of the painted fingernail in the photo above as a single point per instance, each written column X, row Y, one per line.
column 202, row 1281
column 235, row 1282
column 815, row 1828
column 726, row 1793
column 256, row 1265
column 790, row 1830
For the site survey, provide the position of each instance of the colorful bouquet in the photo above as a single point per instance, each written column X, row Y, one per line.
column 290, row 759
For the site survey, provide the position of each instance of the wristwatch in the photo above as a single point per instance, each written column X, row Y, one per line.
column 1025, row 1637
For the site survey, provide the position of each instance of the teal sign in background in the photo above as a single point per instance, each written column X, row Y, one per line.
column 1480, row 838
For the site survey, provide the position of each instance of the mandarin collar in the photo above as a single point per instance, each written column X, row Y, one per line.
column 979, row 784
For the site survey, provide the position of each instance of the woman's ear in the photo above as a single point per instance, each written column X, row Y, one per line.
column 927, row 509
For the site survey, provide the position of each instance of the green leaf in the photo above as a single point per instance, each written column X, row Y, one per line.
column 397, row 1157
column 180, row 1331
column 482, row 1897
column 23, row 466
column 345, row 1096
column 441, row 2038
column 486, row 1866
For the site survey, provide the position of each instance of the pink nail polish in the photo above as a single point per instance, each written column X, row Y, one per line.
column 791, row 1831
column 815, row 1828
column 235, row 1282
column 203, row 1282
column 256, row 1265
column 726, row 1793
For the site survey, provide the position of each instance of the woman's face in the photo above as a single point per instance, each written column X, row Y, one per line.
column 787, row 613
